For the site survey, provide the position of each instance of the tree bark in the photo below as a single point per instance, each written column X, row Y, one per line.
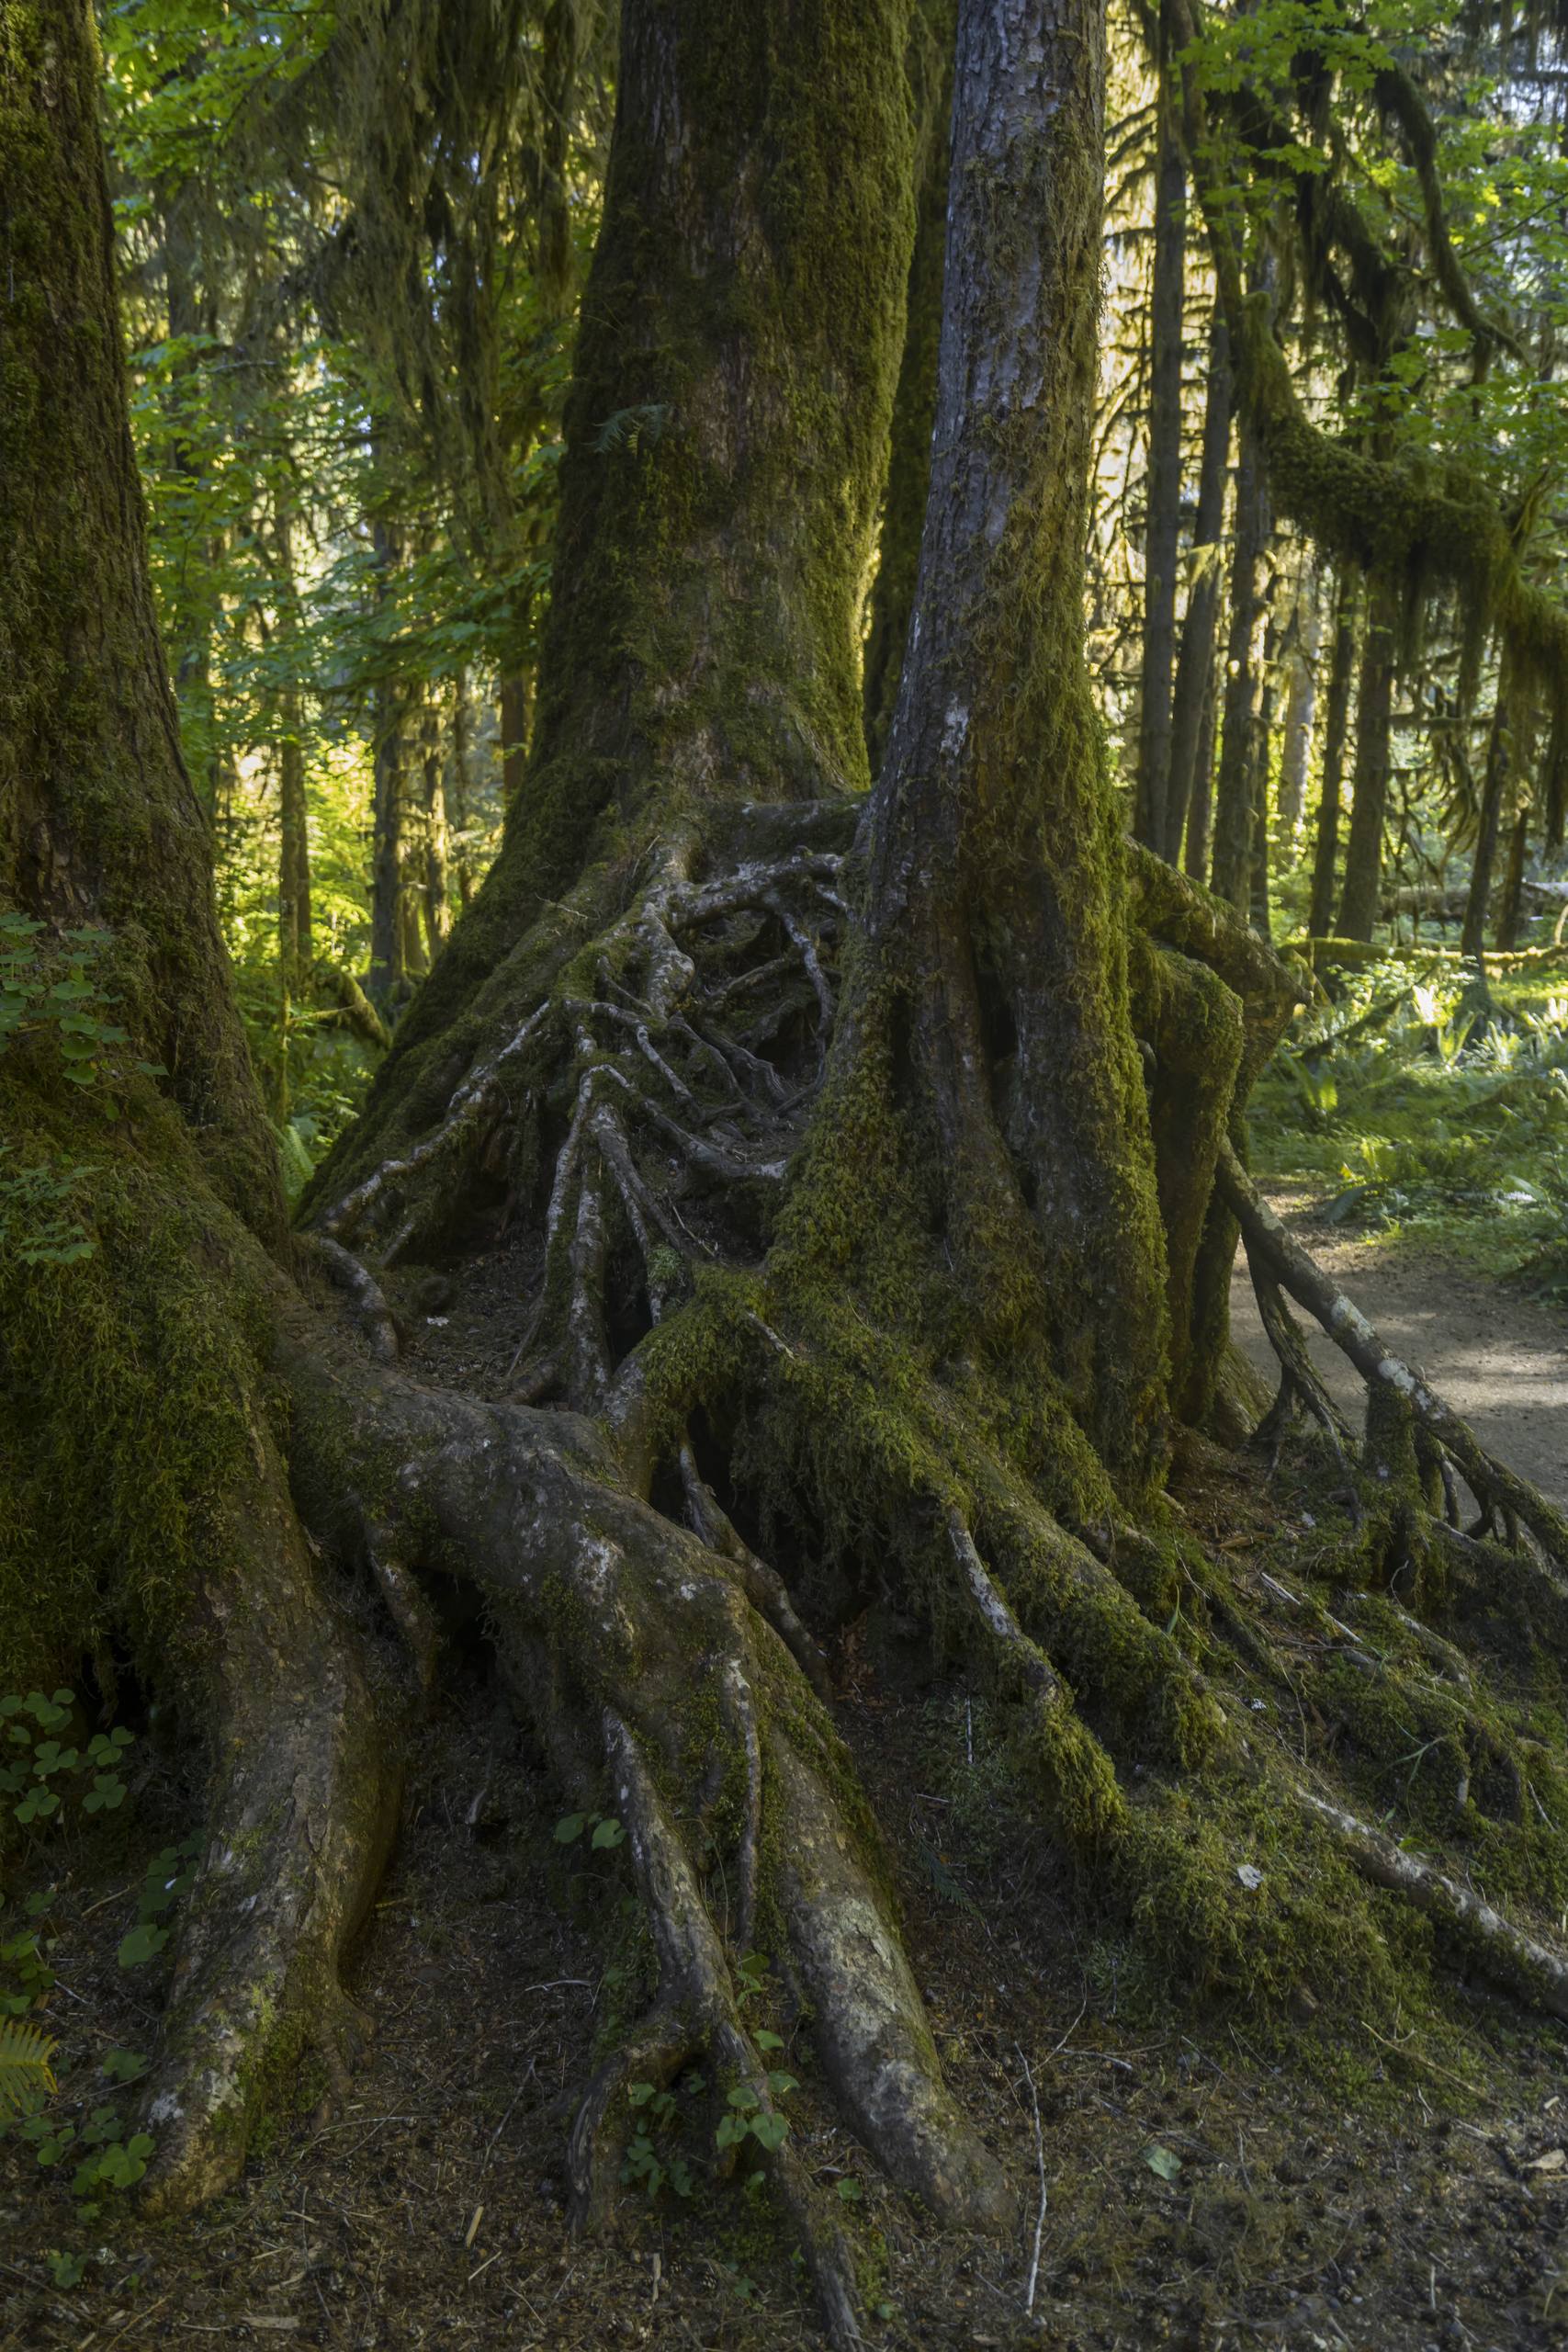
column 1162, row 527
column 1192, row 701
column 1374, row 712
column 1336, row 730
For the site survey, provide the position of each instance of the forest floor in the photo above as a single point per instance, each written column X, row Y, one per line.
column 1206, row 2188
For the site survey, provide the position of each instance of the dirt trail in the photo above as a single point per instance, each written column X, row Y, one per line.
column 1499, row 1358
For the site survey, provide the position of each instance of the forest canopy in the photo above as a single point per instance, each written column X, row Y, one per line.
column 734, row 736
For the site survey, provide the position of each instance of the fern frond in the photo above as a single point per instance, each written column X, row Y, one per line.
column 25, row 2053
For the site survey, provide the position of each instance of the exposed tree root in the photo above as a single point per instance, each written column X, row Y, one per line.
column 1285, row 1261
column 1537, row 1974
column 299, row 1822
column 649, row 1654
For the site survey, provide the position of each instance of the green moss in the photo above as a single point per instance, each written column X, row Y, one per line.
column 131, row 1389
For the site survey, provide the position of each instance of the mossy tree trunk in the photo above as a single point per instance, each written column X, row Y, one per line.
column 144, row 1500
column 1243, row 684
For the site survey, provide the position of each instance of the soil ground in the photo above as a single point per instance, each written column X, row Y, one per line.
column 1204, row 2187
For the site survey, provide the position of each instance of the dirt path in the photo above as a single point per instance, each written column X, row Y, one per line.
column 1497, row 1357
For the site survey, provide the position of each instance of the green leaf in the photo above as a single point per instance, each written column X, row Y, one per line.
column 773, row 2131
column 142, row 1944
column 609, row 1833
column 570, row 1827
column 1162, row 2160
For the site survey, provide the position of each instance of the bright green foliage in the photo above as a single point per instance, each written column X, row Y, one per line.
column 1439, row 1122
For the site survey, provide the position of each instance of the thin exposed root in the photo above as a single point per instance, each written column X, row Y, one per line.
column 1298, row 1383
column 1269, row 1243
column 465, row 1109
column 695, row 1986
column 1537, row 1974
column 763, row 1587
column 367, row 1301
column 1026, row 1656
column 406, row 1605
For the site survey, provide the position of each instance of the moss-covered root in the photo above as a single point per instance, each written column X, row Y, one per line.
column 299, row 1822
column 646, row 1661
column 1513, row 1959
column 1501, row 1492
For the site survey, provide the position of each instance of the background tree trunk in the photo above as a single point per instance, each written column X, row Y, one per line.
column 1336, row 727
column 1191, row 741
column 1374, row 712
column 1238, row 737
column 1489, row 821
column 1162, row 527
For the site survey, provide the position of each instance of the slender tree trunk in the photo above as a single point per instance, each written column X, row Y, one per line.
column 294, row 949
column 1554, row 775
column 914, row 406
column 1374, row 712
column 460, row 791
column 1258, row 874
column 1199, row 815
column 1493, row 790
column 1152, row 821
column 515, row 713
column 388, row 893
column 1336, row 729
column 1192, row 701
column 1510, row 900
column 1238, row 737
column 435, row 908
column 1304, row 637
